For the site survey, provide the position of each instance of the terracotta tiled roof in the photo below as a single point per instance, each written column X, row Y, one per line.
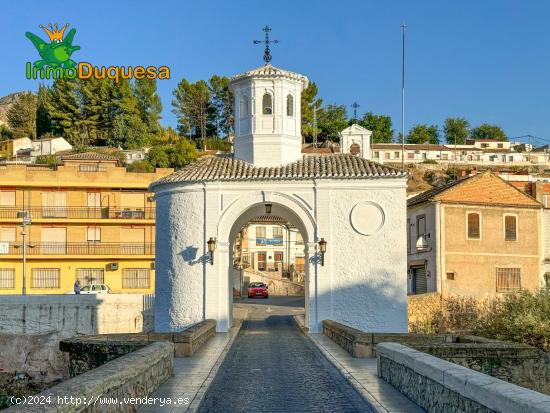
column 481, row 189
column 226, row 168
column 87, row 156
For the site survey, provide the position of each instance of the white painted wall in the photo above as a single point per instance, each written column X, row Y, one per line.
column 356, row 134
column 362, row 284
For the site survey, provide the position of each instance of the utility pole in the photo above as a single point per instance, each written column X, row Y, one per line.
column 403, row 27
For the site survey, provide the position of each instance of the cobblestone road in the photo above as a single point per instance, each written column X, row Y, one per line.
column 272, row 367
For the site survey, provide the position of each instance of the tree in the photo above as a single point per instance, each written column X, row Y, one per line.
column 5, row 132
column 193, row 109
column 487, row 131
column 175, row 155
column 380, row 125
column 222, row 102
column 331, row 121
column 22, row 116
column 308, row 102
column 149, row 103
column 43, row 120
column 456, row 130
column 63, row 108
column 423, row 134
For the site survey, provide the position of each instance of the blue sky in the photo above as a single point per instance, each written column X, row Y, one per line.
column 488, row 61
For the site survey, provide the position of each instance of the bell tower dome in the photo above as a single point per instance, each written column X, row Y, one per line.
column 267, row 116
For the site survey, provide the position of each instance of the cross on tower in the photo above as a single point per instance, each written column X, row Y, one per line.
column 355, row 105
column 267, row 42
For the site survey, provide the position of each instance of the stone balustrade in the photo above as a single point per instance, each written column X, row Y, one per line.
column 444, row 387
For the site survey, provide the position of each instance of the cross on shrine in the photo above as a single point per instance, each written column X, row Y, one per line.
column 267, row 42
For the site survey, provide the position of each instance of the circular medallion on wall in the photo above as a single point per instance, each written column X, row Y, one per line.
column 367, row 218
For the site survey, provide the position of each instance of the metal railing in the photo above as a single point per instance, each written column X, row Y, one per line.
column 85, row 248
column 80, row 212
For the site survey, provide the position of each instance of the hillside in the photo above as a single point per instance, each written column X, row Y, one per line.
column 5, row 104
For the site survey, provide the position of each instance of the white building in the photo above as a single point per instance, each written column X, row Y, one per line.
column 267, row 245
column 358, row 207
column 356, row 140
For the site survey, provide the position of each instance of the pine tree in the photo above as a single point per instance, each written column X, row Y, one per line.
column 308, row 102
column 149, row 104
column 64, row 109
column 222, row 101
column 22, row 116
column 43, row 120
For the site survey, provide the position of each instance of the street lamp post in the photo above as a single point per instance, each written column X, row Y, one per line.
column 26, row 221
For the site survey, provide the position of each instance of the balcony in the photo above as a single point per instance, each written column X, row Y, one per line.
column 79, row 213
column 112, row 249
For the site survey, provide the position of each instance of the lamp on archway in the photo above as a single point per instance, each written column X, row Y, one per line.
column 268, row 208
column 322, row 250
column 211, row 248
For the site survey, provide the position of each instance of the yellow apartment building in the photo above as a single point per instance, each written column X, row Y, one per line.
column 90, row 220
column 478, row 237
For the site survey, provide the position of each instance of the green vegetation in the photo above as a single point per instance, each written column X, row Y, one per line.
column 456, row 130
column 423, row 134
column 486, row 131
column 22, row 116
column 521, row 317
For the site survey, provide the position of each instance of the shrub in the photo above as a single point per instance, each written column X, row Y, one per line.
column 140, row 166
column 50, row 160
column 522, row 317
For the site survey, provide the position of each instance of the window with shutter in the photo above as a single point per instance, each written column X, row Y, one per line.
column 508, row 279
column 474, row 225
column 510, row 228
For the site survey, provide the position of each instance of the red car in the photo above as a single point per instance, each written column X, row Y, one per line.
column 257, row 290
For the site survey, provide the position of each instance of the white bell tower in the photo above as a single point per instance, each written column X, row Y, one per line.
column 267, row 116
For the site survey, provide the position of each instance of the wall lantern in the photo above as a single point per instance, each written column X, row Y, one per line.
column 268, row 208
column 211, row 248
column 323, row 250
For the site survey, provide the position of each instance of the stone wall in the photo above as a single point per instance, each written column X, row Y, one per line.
column 71, row 315
column 443, row 387
column 276, row 284
column 362, row 344
column 136, row 375
column 515, row 363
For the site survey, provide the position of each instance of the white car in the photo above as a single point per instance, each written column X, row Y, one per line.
column 95, row 289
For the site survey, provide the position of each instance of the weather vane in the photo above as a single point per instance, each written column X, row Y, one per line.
column 355, row 105
column 267, row 42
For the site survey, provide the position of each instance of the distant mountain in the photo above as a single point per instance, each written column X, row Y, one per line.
column 5, row 104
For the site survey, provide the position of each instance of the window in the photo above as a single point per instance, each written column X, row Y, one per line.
column 267, row 104
column 94, row 199
column 278, row 232
column 93, row 234
column 289, row 105
column 90, row 275
column 387, row 155
column 500, row 145
column 7, row 277
column 396, row 155
column 547, row 280
column 510, row 228
column 244, row 106
column 136, row 278
column 45, row 277
column 90, row 167
column 7, row 198
column 260, row 235
column 474, row 225
column 450, row 275
column 7, row 234
column 260, row 232
column 376, row 154
column 508, row 279
column 421, row 226
column 408, row 235
column 410, row 155
column 54, row 204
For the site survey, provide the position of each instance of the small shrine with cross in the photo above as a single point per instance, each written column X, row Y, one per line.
column 350, row 212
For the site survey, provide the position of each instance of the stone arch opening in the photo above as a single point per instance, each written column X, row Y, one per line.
column 232, row 225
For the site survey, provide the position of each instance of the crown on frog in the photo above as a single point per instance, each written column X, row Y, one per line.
column 54, row 33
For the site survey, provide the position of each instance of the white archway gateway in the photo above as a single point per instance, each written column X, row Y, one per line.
column 357, row 206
